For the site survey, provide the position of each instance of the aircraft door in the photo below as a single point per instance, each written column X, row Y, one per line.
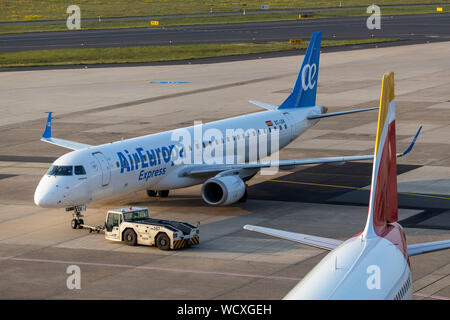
column 291, row 124
column 112, row 224
column 104, row 166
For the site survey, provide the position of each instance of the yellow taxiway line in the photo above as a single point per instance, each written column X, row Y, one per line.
column 346, row 187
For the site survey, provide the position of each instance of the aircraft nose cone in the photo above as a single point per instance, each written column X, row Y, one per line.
column 42, row 200
column 44, row 197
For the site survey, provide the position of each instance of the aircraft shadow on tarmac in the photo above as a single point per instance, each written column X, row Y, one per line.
column 329, row 184
column 5, row 176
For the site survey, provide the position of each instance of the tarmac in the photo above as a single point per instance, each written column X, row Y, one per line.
column 105, row 104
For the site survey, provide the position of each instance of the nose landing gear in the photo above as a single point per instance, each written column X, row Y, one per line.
column 77, row 221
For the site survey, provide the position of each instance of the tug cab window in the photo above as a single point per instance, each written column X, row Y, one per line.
column 112, row 221
column 60, row 171
column 79, row 170
column 135, row 215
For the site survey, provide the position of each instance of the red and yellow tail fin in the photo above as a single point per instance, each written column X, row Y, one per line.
column 383, row 204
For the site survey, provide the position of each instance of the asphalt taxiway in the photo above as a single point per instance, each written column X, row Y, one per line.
column 411, row 28
column 100, row 105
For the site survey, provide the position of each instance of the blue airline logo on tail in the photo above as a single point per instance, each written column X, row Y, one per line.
column 305, row 88
column 308, row 74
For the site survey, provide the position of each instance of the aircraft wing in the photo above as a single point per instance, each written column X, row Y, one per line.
column 47, row 137
column 333, row 114
column 419, row 248
column 66, row 143
column 313, row 241
column 198, row 169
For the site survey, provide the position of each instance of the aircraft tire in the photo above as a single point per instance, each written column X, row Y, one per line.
column 152, row 193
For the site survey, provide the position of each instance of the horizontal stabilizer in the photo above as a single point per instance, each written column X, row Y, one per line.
column 263, row 105
column 47, row 137
column 326, row 115
column 313, row 241
column 419, row 248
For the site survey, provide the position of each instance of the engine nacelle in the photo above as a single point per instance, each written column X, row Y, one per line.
column 220, row 191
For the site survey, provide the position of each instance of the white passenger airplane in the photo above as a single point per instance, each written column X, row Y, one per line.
column 91, row 173
column 373, row 264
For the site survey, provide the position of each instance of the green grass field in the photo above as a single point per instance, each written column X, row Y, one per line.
column 154, row 53
column 29, row 10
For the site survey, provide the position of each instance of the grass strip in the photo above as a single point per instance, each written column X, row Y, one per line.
column 33, row 10
column 88, row 56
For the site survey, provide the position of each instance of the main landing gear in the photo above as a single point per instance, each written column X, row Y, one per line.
column 161, row 193
column 77, row 221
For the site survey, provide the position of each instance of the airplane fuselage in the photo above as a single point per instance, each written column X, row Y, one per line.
column 153, row 162
column 360, row 268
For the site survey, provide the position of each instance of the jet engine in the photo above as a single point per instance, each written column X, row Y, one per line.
column 223, row 190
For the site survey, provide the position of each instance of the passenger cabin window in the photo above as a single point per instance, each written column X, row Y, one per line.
column 60, row 171
column 79, row 170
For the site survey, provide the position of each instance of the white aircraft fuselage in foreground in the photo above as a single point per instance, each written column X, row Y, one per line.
column 373, row 264
column 161, row 162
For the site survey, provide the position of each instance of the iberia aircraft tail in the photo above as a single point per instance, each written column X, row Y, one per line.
column 383, row 203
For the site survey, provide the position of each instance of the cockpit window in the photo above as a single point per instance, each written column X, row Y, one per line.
column 79, row 170
column 60, row 171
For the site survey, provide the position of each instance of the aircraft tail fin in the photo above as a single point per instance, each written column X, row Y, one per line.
column 304, row 92
column 383, row 203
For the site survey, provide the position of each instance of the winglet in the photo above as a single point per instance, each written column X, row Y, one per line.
column 48, row 128
column 408, row 150
column 47, row 137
